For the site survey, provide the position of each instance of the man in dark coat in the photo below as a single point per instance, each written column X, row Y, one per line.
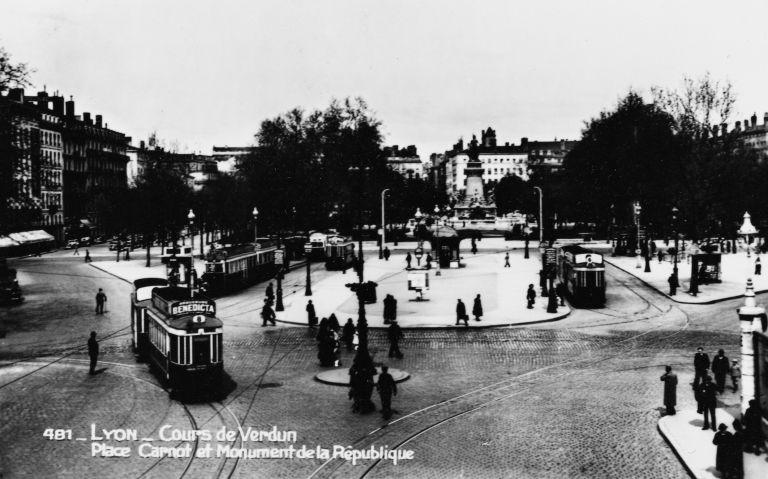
column 395, row 334
column 348, row 334
column 560, row 292
column 506, row 260
column 333, row 323
column 531, row 296
column 477, row 308
column 267, row 314
column 461, row 314
column 323, row 329
column 311, row 315
column 753, row 427
column 429, row 261
column 101, row 298
column 673, row 284
column 93, row 352
column 700, row 365
column 708, row 401
column 736, row 458
column 724, row 441
column 670, row 390
column 387, row 388
column 721, row 365
column 408, row 260
column 758, row 267
column 386, row 253
column 270, row 293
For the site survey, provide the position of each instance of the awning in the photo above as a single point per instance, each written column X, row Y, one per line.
column 6, row 242
column 30, row 237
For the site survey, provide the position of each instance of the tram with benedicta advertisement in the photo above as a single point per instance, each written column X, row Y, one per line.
column 177, row 332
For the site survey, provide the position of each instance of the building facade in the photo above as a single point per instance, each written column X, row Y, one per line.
column 753, row 136
column 405, row 161
column 95, row 160
column 546, row 157
column 497, row 161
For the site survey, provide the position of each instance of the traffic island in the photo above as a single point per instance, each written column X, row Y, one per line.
column 340, row 376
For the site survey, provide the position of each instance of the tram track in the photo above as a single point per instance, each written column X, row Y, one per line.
column 406, row 429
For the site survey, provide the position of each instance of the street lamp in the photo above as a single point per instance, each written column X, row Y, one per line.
column 541, row 216
column 383, row 225
column 191, row 219
column 674, row 229
column 638, row 209
column 255, row 214
column 527, row 233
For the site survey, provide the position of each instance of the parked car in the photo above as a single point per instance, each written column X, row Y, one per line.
column 85, row 241
column 73, row 243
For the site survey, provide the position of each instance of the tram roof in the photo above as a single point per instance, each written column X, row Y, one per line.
column 144, row 282
column 230, row 252
column 578, row 249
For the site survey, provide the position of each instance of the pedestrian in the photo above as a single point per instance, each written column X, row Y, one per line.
column 429, row 260
column 724, row 441
column 736, row 458
column 560, row 292
column 700, row 365
column 708, row 399
column 531, row 296
column 333, row 323
column 673, row 284
column 477, row 308
column 387, row 388
column 386, row 253
column 720, row 367
column 270, row 293
column 461, row 314
column 267, row 314
column 311, row 315
column 758, row 266
column 88, row 256
column 735, row 374
column 408, row 260
column 77, row 251
column 753, row 427
column 101, row 298
column 670, row 390
column 395, row 334
column 660, row 254
column 323, row 329
column 506, row 260
column 93, row 352
column 474, row 246
column 348, row 334
column 390, row 309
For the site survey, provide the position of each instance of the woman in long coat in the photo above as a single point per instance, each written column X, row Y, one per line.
column 723, row 440
column 477, row 308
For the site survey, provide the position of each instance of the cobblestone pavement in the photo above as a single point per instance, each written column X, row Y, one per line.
column 579, row 398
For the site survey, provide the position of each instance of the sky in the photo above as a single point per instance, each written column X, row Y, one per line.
column 204, row 73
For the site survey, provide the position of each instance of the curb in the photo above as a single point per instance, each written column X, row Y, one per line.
column 713, row 301
column 453, row 326
column 109, row 273
column 674, row 450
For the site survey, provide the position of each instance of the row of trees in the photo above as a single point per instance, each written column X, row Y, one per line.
column 663, row 154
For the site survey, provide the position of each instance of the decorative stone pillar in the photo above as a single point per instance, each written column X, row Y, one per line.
column 749, row 319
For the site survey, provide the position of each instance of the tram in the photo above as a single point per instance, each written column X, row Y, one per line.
column 182, row 339
column 234, row 267
column 339, row 253
column 316, row 246
column 141, row 299
column 583, row 274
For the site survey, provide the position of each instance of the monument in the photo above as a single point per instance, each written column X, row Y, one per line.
column 475, row 205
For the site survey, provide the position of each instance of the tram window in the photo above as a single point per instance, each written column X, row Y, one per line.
column 201, row 349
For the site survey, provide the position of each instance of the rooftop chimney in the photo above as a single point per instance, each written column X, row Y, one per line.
column 87, row 117
column 724, row 128
column 16, row 94
column 70, row 107
column 737, row 126
column 98, row 121
column 754, row 120
column 523, row 141
column 58, row 105
column 765, row 118
column 141, row 145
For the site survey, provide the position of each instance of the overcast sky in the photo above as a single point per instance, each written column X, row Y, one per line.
column 207, row 73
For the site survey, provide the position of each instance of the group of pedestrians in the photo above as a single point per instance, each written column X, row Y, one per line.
column 328, row 341
column 461, row 311
column 748, row 436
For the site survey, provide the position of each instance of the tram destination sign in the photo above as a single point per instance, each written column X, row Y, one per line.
column 181, row 308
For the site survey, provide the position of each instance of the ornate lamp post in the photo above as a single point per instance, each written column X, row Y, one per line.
column 541, row 216
column 191, row 219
